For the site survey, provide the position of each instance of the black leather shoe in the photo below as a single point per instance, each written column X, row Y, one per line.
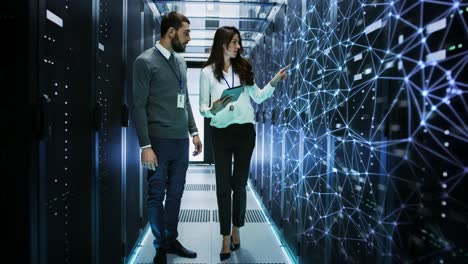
column 179, row 250
column 160, row 257
column 234, row 247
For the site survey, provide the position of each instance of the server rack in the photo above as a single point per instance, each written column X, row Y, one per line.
column 78, row 188
column 385, row 92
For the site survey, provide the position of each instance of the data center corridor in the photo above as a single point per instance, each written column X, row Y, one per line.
column 360, row 154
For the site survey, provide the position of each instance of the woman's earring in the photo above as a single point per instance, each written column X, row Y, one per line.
column 231, row 108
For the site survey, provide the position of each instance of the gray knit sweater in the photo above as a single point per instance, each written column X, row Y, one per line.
column 155, row 89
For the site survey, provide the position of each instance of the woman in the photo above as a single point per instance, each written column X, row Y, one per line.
column 232, row 126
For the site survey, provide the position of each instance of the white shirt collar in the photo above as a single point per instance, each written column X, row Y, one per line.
column 163, row 50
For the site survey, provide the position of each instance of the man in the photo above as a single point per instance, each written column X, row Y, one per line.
column 164, row 119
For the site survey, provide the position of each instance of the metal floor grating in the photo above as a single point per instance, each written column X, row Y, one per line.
column 254, row 216
column 213, row 188
column 251, row 216
column 201, row 170
column 215, row 216
column 197, row 187
column 194, row 216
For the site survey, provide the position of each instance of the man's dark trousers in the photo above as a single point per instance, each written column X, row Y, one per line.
column 166, row 184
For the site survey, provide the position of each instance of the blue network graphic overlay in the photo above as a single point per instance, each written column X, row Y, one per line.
column 360, row 155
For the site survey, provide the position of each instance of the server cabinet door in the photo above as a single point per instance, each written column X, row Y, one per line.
column 64, row 164
column 20, row 130
column 109, row 80
column 425, row 124
column 278, row 152
column 134, row 178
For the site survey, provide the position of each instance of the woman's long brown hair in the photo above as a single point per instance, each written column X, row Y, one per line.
column 240, row 65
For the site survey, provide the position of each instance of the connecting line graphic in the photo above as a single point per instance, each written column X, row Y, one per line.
column 374, row 109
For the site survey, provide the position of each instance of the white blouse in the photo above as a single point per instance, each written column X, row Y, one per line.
column 238, row 112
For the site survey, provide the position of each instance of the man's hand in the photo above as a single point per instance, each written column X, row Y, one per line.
column 149, row 159
column 197, row 144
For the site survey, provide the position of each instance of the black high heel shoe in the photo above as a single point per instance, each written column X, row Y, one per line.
column 224, row 256
column 234, row 247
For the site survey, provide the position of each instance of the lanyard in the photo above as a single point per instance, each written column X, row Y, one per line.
column 232, row 80
column 178, row 77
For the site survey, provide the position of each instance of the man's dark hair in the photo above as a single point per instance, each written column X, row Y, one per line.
column 172, row 19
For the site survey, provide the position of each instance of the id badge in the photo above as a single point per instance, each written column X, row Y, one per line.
column 180, row 100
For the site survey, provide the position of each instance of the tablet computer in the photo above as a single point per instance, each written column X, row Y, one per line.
column 235, row 92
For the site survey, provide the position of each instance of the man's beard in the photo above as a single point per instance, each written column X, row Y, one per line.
column 177, row 45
